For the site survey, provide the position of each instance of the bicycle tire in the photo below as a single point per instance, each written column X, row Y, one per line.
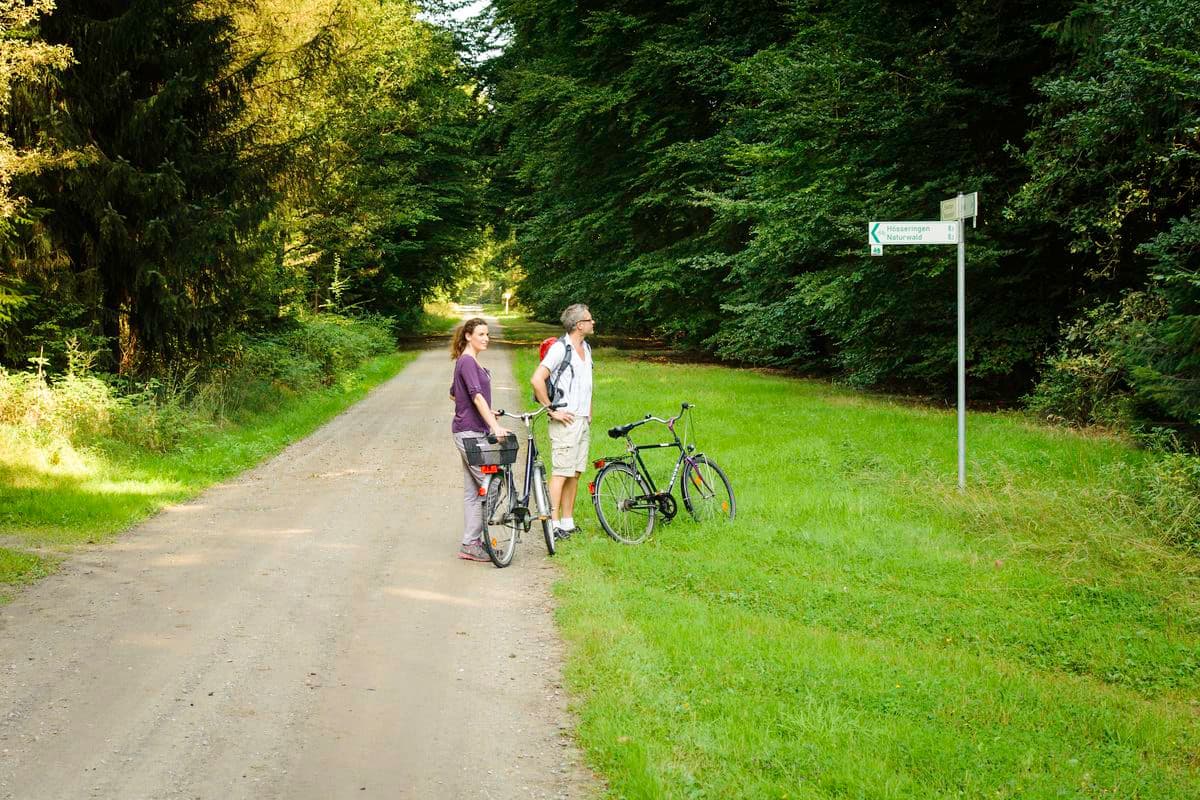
column 618, row 487
column 707, row 492
column 547, row 524
column 501, row 526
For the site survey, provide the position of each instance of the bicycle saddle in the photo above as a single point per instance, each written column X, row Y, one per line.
column 621, row 430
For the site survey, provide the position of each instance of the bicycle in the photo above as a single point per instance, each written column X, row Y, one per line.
column 627, row 501
column 506, row 514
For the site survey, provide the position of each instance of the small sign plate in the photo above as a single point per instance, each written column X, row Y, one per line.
column 933, row 232
column 876, row 249
column 970, row 207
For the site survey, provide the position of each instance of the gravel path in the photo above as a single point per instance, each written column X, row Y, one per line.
column 303, row 631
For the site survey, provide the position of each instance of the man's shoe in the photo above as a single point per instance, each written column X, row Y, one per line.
column 473, row 552
column 561, row 535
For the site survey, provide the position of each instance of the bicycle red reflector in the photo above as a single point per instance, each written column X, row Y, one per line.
column 482, row 491
column 592, row 488
column 599, row 464
column 490, row 469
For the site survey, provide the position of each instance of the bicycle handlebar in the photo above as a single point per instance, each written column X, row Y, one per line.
column 527, row 417
column 623, row 430
column 531, row 414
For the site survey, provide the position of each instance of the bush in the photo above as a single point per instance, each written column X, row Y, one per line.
column 1163, row 493
column 161, row 413
column 72, row 406
column 1169, row 497
column 1088, row 381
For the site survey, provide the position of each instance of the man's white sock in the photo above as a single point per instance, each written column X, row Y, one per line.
column 567, row 523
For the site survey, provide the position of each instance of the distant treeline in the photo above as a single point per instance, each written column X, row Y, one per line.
column 174, row 173
column 706, row 171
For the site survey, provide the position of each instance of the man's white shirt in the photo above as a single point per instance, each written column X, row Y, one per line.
column 576, row 382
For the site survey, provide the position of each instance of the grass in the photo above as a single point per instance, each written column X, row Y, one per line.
column 863, row 629
column 54, row 495
column 437, row 318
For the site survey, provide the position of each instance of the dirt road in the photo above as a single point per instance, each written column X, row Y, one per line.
column 304, row 631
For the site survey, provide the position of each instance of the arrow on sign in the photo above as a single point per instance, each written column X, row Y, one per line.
column 875, row 233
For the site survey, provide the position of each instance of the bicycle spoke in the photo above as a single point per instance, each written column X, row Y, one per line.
column 621, row 505
column 502, row 526
column 707, row 491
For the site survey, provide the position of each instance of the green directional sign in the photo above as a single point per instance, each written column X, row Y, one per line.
column 932, row 232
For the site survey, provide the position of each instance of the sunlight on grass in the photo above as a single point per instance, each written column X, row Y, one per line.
column 155, row 488
column 55, row 495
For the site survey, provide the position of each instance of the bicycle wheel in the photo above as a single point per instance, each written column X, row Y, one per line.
column 540, row 485
column 707, row 493
column 501, row 524
column 621, row 505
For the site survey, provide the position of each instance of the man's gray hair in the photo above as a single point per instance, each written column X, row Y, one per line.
column 573, row 314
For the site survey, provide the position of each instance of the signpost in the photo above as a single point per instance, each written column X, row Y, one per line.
column 883, row 233
column 949, row 230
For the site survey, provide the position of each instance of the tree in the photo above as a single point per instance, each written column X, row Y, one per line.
column 23, row 60
column 390, row 206
column 158, row 222
column 706, row 170
column 1115, row 155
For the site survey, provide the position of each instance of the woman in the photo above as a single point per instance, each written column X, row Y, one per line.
column 473, row 416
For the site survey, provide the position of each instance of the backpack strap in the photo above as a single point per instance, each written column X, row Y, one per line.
column 563, row 366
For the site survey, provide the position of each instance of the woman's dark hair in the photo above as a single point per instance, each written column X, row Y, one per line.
column 458, row 340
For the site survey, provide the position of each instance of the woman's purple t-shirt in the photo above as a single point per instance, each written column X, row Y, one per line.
column 470, row 379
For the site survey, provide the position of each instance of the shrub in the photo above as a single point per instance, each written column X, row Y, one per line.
column 71, row 407
column 1087, row 382
column 249, row 375
column 1163, row 493
column 1169, row 497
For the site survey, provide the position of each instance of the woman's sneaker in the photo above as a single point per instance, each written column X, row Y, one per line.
column 562, row 535
column 473, row 552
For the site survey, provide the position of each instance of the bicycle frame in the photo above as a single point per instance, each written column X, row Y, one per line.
column 528, row 511
column 635, row 451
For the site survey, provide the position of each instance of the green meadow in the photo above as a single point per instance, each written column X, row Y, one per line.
column 865, row 630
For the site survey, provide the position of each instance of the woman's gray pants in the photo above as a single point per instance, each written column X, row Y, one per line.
column 472, row 500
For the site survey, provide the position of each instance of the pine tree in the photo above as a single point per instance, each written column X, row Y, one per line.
column 23, row 59
column 160, row 217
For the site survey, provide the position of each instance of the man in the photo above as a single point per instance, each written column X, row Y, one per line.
column 570, row 426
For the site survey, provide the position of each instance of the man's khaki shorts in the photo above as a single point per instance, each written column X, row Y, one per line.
column 569, row 446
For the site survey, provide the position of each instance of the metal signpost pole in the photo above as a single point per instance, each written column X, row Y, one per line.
column 962, row 347
column 951, row 229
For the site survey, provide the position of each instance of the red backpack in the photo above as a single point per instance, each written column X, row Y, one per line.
column 553, row 390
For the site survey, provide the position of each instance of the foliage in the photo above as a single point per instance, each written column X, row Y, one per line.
column 249, row 375
column 707, row 171
column 724, row 160
column 1088, row 380
column 156, row 223
column 392, row 206
column 237, row 163
column 24, row 59
column 1165, row 358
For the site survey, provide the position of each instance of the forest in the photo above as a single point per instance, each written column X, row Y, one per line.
column 178, row 177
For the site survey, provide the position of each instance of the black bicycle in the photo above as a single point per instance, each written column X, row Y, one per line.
column 628, row 502
column 506, row 513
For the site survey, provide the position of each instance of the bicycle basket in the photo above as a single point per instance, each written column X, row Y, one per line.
column 482, row 453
